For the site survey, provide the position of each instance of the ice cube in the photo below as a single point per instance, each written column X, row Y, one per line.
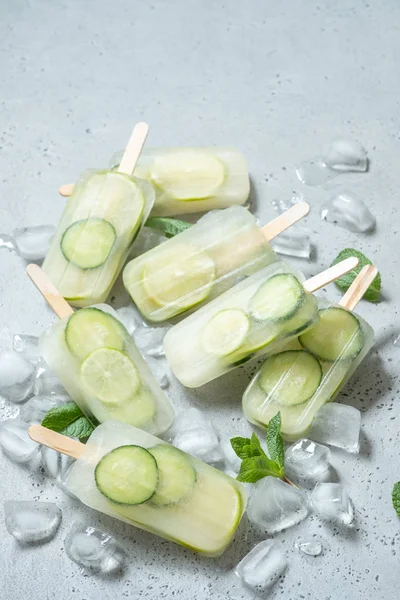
column 28, row 346
column 263, row 566
column 32, row 521
column 7, row 241
column 129, row 317
column 350, row 212
column 337, row 425
column 36, row 408
column 57, row 466
column 275, row 505
column 48, row 384
column 15, row 441
column 231, row 458
column 145, row 241
column 331, row 501
column 282, row 205
column 310, row 547
column 92, row 548
column 196, row 436
column 17, row 376
column 161, row 371
column 32, row 243
column 294, row 242
column 346, row 155
column 149, row 340
column 314, row 172
column 307, row 460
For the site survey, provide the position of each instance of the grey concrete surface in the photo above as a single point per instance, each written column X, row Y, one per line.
column 279, row 80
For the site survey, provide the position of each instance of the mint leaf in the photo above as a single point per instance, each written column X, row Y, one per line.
column 241, row 447
column 373, row 292
column 169, row 227
column 69, row 420
column 274, row 440
column 257, row 467
column 396, row 498
column 256, row 446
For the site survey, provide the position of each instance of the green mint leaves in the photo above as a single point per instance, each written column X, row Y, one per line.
column 255, row 463
column 167, row 226
column 68, row 419
column 373, row 292
column 396, row 497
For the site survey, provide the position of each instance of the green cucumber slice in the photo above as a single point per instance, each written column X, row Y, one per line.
column 188, row 175
column 225, row 332
column 176, row 476
column 278, row 299
column 337, row 335
column 91, row 328
column 88, row 243
column 110, row 376
column 291, row 377
column 179, row 277
column 127, row 475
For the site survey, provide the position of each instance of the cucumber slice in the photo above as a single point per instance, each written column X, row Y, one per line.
column 278, row 299
column 188, row 175
column 291, row 377
column 225, row 332
column 91, row 328
column 88, row 243
column 127, row 475
column 176, row 476
column 337, row 335
column 139, row 411
column 180, row 277
column 110, row 376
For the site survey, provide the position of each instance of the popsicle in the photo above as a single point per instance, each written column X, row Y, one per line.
column 251, row 319
column 97, row 362
column 98, row 227
column 310, row 371
column 202, row 262
column 190, row 180
column 135, row 477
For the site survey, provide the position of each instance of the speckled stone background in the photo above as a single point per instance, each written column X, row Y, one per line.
column 279, row 80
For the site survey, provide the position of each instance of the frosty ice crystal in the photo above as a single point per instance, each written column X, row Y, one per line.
column 337, row 425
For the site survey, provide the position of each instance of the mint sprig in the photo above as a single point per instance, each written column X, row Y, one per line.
column 255, row 462
column 68, row 419
column 373, row 292
column 167, row 226
column 396, row 498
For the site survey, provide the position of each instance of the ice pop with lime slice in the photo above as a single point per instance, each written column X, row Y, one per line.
column 252, row 319
column 97, row 362
column 135, row 477
column 98, row 227
column 200, row 263
column 190, row 180
column 310, row 371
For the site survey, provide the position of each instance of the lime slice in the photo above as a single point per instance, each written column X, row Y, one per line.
column 188, row 175
column 139, row 411
column 88, row 243
column 110, row 376
column 91, row 328
column 225, row 332
column 180, row 277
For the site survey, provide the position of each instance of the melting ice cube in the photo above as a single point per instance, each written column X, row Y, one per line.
column 332, row 502
column 149, row 340
column 275, row 505
column 129, row 317
column 48, row 384
column 307, row 460
column 15, row 441
column 310, row 547
column 17, row 377
column 32, row 521
column 196, row 436
column 32, row 243
column 92, row 548
column 337, row 425
column 293, row 242
column 231, row 458
column 350, row 212
column 263, row 566
column 36, row 408
column 346, row 155
column 57, row 466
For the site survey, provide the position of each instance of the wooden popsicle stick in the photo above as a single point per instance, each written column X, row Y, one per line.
column 133, row 149
column 285, row 220
column 49, row 291
column 341, row 268
column 56, row 441
column 359, row 286
column 66, row 189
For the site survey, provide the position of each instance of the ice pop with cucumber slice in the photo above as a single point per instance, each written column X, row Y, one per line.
column 98, row 227
column 190, row 180
column 252, row 319
column 135, row 477
column 310, row 371
column 97, row 362
column 202, row 262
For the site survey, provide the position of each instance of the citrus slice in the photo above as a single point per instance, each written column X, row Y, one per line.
column 225, row 332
